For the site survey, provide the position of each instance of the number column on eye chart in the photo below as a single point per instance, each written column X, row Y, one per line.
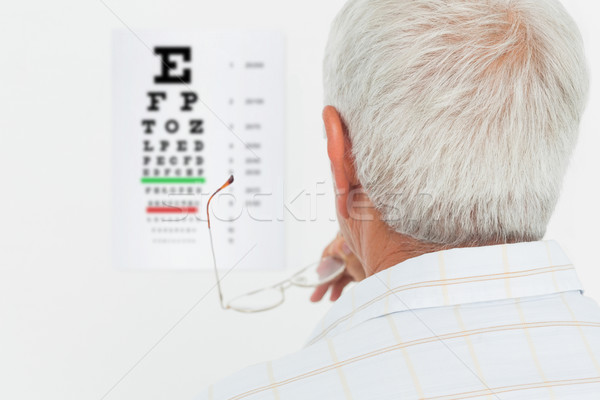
column 246, row 105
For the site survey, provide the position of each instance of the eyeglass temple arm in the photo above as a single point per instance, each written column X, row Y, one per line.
column 212, row 247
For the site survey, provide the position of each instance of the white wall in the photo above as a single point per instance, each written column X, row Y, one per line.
column 70, row 325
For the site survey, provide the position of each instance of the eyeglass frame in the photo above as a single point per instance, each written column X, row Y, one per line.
column 282, row 286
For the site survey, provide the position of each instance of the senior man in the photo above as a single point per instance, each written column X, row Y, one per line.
column 450, row 124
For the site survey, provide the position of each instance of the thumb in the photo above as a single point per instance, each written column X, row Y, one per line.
column 340, row 249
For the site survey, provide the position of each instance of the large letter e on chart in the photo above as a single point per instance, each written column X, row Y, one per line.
column 168, row 65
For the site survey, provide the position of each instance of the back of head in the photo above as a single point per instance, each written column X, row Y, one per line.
column 462, row 114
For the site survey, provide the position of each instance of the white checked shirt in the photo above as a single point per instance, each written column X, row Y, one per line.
column 496, row 322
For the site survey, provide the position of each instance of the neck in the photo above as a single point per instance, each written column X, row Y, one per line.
column 382, row 248
column 378, row 247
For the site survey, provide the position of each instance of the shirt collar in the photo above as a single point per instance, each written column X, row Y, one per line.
column 450, row 277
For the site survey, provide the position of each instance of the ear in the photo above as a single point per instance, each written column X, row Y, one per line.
column 339, row 149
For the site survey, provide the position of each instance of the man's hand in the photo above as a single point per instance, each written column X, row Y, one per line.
column 337, row 249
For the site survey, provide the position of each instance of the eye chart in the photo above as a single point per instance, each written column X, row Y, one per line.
column 189, row 110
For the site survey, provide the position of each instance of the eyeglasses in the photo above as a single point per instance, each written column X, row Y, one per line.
column 312, row 275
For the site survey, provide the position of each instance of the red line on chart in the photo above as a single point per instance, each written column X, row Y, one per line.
column 171, row 210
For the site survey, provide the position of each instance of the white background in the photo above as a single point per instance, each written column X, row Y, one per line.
column 71, row 326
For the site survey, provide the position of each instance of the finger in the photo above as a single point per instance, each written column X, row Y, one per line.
column 329, row 266
column 338, row 286
column 339, row 249
column 334, row 248
column 329, row 248
column 319, row 293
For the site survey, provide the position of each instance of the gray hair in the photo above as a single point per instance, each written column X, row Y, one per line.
column 462, row 114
